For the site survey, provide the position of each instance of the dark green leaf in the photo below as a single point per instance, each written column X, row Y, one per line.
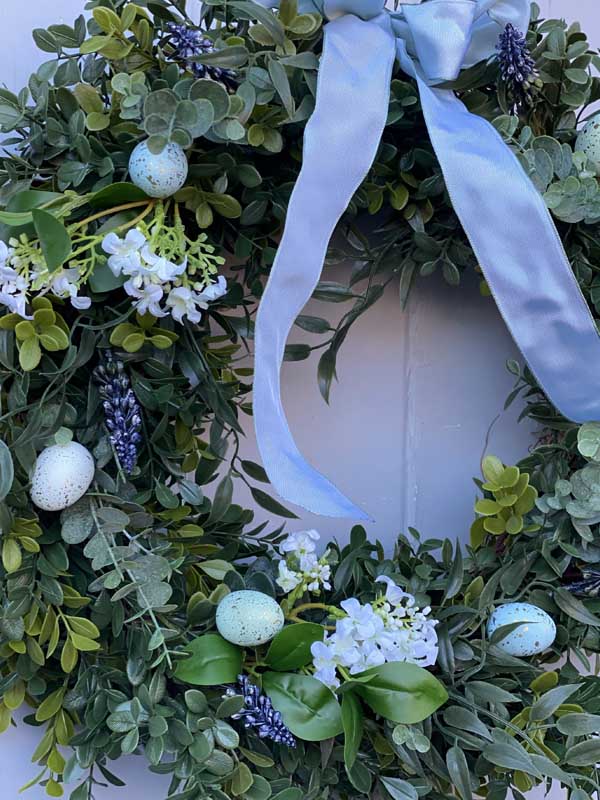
column 352, row 719
column 213, row 661
column 574, row 608
column 402, row 692
column 458, row 770
column 309, row 709
column 290, row 649
column 267, row 502
column 7, row 472
column 54, row 239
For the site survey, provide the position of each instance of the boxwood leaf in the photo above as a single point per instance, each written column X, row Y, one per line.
column 309, row 709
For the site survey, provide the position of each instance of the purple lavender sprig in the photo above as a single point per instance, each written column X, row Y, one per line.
column 122, row 414
column 517, row 67
column 258, row 714
column 189, row 42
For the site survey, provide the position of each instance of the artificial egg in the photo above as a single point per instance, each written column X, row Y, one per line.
column 62, row 475
column 535, row 633
column 588, row 141
column 158, row 174
column 249, row 618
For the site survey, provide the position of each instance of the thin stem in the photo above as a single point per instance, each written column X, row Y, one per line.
column 109, row 211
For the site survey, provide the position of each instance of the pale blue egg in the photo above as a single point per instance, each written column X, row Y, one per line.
column 535, row 634
column 588, row 141
column 249, row 618
column 158, row 174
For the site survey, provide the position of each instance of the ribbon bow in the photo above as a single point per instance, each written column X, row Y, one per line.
column 503, row 215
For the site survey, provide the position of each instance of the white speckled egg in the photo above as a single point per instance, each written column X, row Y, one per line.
column 62, row 475
column 588, row 141
column 535, row 634
column 249, row 618
column 159, row 175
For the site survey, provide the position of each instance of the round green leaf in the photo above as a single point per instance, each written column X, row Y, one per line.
column 290, row 649
column 309, row 709
column 213, row 660
column 402, row 692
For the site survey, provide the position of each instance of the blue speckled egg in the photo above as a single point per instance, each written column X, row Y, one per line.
column 159, row 175
column 535, row 634
column 588, row 141
column 249, row 618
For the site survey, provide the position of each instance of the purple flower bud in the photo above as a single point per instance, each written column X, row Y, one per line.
column 517, row 67
column 122, row 413
column 258, row 713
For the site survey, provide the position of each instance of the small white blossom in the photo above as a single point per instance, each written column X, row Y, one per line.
column 213, row 291
column 392, row 628
column 63, row 283
column 300, row 543
column 13, row 286
column 124, row 253
column 287, row 579
column 147, row 298
column 325, row 661
column 185, row 302
column 5, row 253
column 158, row 268
column 310, row 572
column 16, row 303
column 182, row 302
column 151, row 277
column 319, row 576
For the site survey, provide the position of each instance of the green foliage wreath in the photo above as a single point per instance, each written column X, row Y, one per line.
column 121, row 340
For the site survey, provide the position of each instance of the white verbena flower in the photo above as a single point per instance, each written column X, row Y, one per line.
column 124, row 254
column 392, row 628
column 135, row 258
column 212, row 292
column 319, row 576
column 186, row 302
column 300, row 543
column 325, row 661
column 310, row 572
column 13, row 286
column 63, row 283
column 182, row 302
column 158, row 268
column 287, row 579
column 147, row 298
column 5, row 253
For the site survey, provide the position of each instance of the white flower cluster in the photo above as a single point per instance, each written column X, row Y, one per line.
column 392, row 628
column 21, row 274
column 152, row 279
column 302, row 568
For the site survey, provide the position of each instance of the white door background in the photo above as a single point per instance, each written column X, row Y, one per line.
column 418, row 392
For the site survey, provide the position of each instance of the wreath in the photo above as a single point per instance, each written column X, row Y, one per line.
column 141, row 609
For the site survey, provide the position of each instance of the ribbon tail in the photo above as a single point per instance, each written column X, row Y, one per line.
column 520, row 252
column 340, row 144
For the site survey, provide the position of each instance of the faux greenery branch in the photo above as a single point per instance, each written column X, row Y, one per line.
column 122, row 336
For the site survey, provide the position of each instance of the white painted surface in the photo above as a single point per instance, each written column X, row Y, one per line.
column 408, row 421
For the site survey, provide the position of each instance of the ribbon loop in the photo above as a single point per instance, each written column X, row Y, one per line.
column 501, row 211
